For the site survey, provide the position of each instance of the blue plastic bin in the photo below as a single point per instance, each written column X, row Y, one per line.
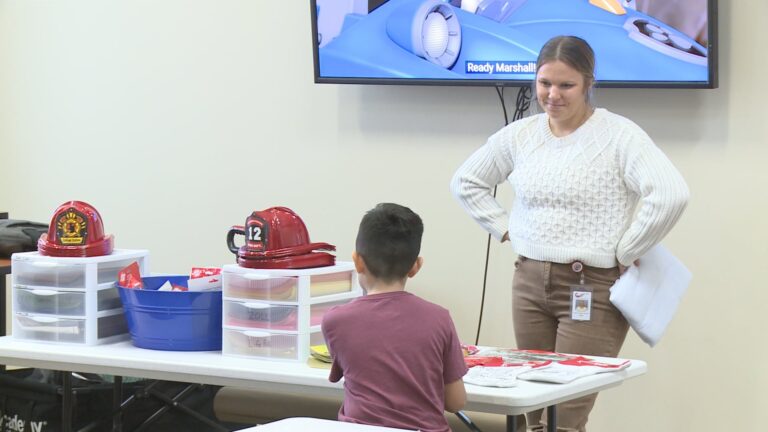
column 172, row 320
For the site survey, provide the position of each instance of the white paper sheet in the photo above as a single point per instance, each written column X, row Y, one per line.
column 648, row 294
column 561, row 373
column 495, row 376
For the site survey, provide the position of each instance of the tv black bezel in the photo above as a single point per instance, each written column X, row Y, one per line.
column 712, row 65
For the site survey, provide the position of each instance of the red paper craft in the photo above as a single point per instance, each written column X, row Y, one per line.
column 473, row 361
column 130, row 277
column 198, row 272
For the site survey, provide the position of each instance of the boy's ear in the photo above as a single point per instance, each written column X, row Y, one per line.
column 359, row 263
column 416, row 267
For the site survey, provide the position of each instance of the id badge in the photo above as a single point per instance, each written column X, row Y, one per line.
column 581, row 303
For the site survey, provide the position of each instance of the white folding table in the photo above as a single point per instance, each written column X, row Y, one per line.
column 302, row 424
column 281, row 377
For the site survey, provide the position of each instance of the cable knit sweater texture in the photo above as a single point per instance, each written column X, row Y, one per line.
column 602, row 194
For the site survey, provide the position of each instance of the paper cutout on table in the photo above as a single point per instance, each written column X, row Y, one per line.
column 495, row 376
column 468, row 350
column 475, row 360
column 648, row 294
column 568, row 370
column 515, row 357
column 502, row 367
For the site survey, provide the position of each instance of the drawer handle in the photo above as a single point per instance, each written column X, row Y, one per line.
column 256, row 305
column 45, row 264
column 43, row 292
column 43, row 320
column 251, row 276
column 257, row 334
column 47, row 325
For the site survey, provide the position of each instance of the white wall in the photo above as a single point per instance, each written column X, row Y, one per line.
column 177, row 118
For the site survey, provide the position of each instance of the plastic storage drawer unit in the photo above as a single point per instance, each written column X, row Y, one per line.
column 72, row 300
column 277, row 314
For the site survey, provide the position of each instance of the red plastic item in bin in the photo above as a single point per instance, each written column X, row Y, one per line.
column 130, row 277
column 276, row 238
column 199, row 272
column 205, row 279
column 76, row 230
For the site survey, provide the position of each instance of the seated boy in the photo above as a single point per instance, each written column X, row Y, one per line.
column 399, row 354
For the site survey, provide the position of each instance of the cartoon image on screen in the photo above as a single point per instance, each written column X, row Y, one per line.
column 500, row 39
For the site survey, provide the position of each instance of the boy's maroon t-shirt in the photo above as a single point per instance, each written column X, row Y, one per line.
column 396, row 352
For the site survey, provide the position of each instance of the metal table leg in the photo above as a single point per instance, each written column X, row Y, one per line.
column 511, row 423
column 552, row 418
column 66, row 402
column 117, row 400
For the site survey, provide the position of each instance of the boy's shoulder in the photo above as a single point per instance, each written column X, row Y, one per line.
column 426, row 310
column 397, row 299
column 428, row 304
column 351, row 310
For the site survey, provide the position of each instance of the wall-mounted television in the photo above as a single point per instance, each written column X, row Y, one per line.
column 637, row 43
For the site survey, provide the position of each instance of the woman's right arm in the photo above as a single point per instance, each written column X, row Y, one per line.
column 472, row 185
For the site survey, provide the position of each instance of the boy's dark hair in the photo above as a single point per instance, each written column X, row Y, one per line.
column 389, row 241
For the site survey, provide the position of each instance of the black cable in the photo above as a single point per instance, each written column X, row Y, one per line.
column 485, row 280
column 500, row 92
column 522, row 105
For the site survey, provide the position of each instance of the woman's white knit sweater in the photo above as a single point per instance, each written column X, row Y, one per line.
column 575, row 196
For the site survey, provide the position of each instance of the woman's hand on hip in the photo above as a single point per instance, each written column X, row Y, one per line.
column 623, row 268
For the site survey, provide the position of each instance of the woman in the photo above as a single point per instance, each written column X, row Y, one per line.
column 579, row 173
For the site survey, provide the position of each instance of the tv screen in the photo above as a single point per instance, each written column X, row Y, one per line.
column 637, row 43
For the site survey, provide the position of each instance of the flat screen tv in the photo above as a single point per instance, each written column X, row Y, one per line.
column 637, row 43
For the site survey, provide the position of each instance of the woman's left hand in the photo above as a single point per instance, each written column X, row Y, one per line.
column 623, row 268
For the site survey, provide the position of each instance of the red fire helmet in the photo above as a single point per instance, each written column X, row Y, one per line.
column 277, row 238
column 76, row 230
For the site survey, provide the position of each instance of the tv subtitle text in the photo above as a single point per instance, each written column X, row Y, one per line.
column 499, row 67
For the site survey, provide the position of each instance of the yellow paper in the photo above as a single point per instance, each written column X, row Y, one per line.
column 320, row 349
column 612, row 6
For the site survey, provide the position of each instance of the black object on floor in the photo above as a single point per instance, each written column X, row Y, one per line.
column 40, row 400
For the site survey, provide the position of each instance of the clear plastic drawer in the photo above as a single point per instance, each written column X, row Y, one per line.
column 269, row 345
column 49, row 273
column 273, row 316
column 268, row 287
column 331, row 283
column 58, row 274
column 261, row 315
column 60, row 302
column 259, row 287
column 318, row 310
column 62, row 329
